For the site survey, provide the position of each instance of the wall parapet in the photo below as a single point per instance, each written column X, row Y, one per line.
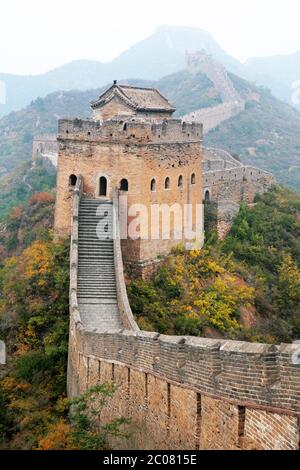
column 248, row 172
column 75, row 318
column 249, row 374
column 129, row 130
column 126, row 314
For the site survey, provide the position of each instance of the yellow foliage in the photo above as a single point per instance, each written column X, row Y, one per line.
column 210, row 293
column 23, row 404
column 58, row 438
column 289, row 279
column 37, row 261
column 11, row 262
column 9, row 383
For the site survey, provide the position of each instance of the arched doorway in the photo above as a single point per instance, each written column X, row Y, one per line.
column 103, row 186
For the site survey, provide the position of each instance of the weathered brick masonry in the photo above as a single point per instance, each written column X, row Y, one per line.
column 228, row 183
column 192, row 393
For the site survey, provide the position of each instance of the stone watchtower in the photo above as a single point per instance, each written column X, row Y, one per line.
column 132, row 145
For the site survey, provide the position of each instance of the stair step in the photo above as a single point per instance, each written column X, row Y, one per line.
column 96, row 280
column 97, row 291
column 95, row 218
column 97, row 288
column 96, row 257
column 87, row 287
column 91, row 277
column 85, row 261
column 96, row 247
column 95, row 269
column 96, row 285
column 99, row 250
column 95, row 266
column 93, row 295
column 95, row 254
column 97, row 294
column 96, row 297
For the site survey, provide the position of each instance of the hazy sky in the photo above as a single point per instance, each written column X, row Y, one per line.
column 38, row 35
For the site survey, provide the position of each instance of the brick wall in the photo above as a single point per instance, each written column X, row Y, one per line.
column 191, row 393
column 230, row 186
column 239, row 184
column 46, row 143
column 215, row 115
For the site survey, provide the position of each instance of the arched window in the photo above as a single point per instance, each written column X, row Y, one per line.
column 124, row 185
column 153, row 185
column 180, row 181
column 193, row 179
column 72, row 180
column 103, row 186
column 207, row 196
column 167, row 183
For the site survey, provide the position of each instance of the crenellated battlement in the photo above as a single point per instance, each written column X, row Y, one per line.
column 129, row 130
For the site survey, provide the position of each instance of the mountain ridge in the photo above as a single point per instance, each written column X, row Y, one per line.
column 277, row 72
column 265, row 134
column 156, row 56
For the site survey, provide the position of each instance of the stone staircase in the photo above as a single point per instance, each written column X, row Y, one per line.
column 97, row 295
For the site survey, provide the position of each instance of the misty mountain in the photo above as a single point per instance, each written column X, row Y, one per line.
column 157, row 56
column 278, row 73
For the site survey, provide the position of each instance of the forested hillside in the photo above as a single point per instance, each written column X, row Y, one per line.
column 34, row 321
column 25, row 180
column 266, row 134
column 247, row 287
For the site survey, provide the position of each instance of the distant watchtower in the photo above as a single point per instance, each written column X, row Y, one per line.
column 132, row 146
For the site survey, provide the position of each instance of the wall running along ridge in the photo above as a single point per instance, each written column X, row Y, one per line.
column 45, row 147
column 184, row 392
column 212, row 117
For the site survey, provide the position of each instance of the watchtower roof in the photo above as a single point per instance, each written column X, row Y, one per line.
column 138, row 98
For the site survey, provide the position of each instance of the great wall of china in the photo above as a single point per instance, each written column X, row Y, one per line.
column 232, row 102
column 178, row 392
